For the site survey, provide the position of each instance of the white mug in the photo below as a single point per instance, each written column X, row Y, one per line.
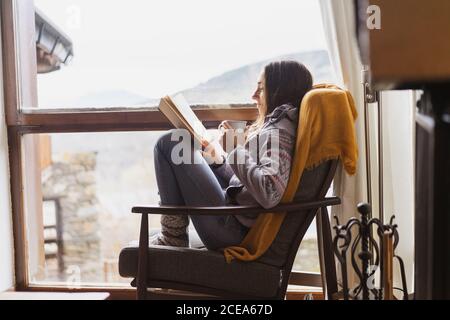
column 237, row 124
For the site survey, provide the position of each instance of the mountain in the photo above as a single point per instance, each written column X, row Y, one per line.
column 237, row 86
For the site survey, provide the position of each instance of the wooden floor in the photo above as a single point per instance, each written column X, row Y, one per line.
column 304, row 295
column 128, row 294
column 53, row 296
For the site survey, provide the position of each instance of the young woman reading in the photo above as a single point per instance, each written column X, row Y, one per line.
column 255, row 172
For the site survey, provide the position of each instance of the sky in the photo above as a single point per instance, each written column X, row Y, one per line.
column 158, row 47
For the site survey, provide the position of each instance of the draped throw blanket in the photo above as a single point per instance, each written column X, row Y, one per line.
column 326, row 131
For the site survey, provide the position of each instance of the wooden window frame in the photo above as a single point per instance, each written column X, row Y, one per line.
column 19, row 70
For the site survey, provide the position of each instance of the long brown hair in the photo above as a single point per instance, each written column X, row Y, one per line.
column 284, row 82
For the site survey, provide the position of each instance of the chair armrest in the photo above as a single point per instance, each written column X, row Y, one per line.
column 236, row 210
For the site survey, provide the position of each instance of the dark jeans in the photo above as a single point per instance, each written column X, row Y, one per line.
column 195, row 184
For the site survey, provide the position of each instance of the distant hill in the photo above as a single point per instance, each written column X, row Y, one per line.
column 237, row 86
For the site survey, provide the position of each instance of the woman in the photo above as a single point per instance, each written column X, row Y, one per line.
column 244, row 176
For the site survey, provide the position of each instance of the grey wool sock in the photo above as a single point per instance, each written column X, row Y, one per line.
column 174, row 232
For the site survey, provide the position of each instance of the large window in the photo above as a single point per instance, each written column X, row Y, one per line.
column 82, row 119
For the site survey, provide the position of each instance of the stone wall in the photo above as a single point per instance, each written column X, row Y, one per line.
column 71, row 179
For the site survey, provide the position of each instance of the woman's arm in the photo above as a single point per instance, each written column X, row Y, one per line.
column 266, row 179
column 224, row 172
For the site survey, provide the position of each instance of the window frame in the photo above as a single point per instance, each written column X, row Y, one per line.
column 18, row 16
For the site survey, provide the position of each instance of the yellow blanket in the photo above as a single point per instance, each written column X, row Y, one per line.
column 326, row 131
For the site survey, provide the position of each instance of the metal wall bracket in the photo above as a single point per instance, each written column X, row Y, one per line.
column 370, row 95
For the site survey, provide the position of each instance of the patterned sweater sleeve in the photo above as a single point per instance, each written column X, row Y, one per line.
column 264, row 171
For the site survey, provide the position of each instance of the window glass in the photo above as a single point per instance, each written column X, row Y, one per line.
column 98, row 54
column 133, row 53
column 86, row 185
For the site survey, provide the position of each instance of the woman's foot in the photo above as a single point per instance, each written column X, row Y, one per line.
column 161, row 240
column 174, row 232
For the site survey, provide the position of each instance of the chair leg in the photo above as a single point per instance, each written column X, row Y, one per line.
column 326, row 254
column 320, row 247
column 142, row 260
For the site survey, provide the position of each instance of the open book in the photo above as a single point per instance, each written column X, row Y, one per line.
column 180, row 114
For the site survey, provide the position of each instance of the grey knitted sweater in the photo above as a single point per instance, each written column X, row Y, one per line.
column 258, row 172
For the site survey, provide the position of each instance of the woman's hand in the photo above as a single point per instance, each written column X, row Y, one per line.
column 230, row 138
column 213, row 152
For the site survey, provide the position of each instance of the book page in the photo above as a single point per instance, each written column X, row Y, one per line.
column 186, row 111
column 167, row 107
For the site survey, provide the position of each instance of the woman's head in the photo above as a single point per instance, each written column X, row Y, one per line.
column 281, row 82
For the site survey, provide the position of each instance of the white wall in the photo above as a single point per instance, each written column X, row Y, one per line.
column 398, row 166
column 398, row 173
column 6, row 241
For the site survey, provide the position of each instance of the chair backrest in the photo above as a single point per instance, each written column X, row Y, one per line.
column 320, row 109
column 314, row 185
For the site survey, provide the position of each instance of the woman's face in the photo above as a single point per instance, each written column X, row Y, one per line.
column 259, row 95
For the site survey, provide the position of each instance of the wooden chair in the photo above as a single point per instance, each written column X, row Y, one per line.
column 206, row 273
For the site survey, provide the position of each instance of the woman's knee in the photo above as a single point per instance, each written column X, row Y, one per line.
column 169, row 139
column 175, row 143
column 163, row 141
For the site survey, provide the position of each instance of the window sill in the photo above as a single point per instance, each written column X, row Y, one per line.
column 121, row 119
